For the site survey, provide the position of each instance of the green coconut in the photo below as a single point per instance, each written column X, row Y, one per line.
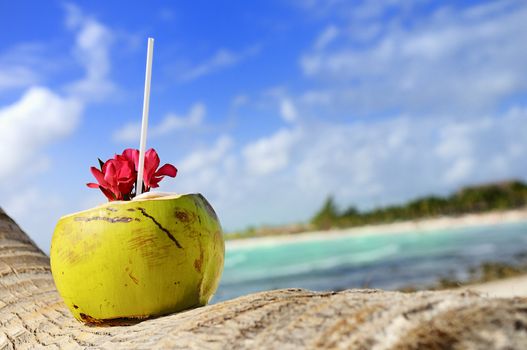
column 126, row 260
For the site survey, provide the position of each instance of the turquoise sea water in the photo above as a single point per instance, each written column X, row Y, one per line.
column 387, row 261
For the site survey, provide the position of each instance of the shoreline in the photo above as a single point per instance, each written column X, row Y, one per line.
column 510, row 287
column 422, row 225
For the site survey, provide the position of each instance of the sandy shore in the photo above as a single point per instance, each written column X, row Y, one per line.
column 505, row 288
column 425, row 225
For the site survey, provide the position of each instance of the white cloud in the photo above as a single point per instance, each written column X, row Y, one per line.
column 313, row 97
column 270, row 154
column 394, row 160
column 170, row 123
column 328, row 35
column 22, row 66
column 221, row 59
column 39, row 118
column 203, row 159
column 42, row 117
column 92, row 47
column 278, row 96
column 454, row 60
column 173, row 122
column 215, row 172
column 285, row 176
column 15, row 77
column 30, row 63
column 288, row 110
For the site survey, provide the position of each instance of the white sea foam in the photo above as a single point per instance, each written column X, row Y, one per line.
column 314, row 266
column 234, row 260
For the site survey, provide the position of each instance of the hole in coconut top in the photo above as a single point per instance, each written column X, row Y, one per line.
column 154, row 195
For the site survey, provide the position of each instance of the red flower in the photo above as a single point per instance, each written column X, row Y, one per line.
column 118, row 176
column 131, row 156
column 116, row 179
column 151, row 176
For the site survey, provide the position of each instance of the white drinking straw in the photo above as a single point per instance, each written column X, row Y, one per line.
column 144, row 124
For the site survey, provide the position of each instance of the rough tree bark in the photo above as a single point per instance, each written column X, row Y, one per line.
column 32, row 315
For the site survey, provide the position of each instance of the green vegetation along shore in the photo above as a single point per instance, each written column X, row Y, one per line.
column 498, row 196
column 475, row 199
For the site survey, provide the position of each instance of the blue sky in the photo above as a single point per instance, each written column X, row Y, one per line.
column 265, row 107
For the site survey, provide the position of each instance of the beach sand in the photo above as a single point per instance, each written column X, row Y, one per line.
column 505, row 288
column 424, row 225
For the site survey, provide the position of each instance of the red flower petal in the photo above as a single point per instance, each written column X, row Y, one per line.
column 167, row 170
column 151, row 163
column 109, row 171
column 132, row 155
column 99, row 176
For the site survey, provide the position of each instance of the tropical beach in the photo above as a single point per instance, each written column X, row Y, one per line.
column 473, row 236
column 469, row 251
column 421, row 226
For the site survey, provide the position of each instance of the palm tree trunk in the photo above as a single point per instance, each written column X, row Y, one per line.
column 32, row 315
